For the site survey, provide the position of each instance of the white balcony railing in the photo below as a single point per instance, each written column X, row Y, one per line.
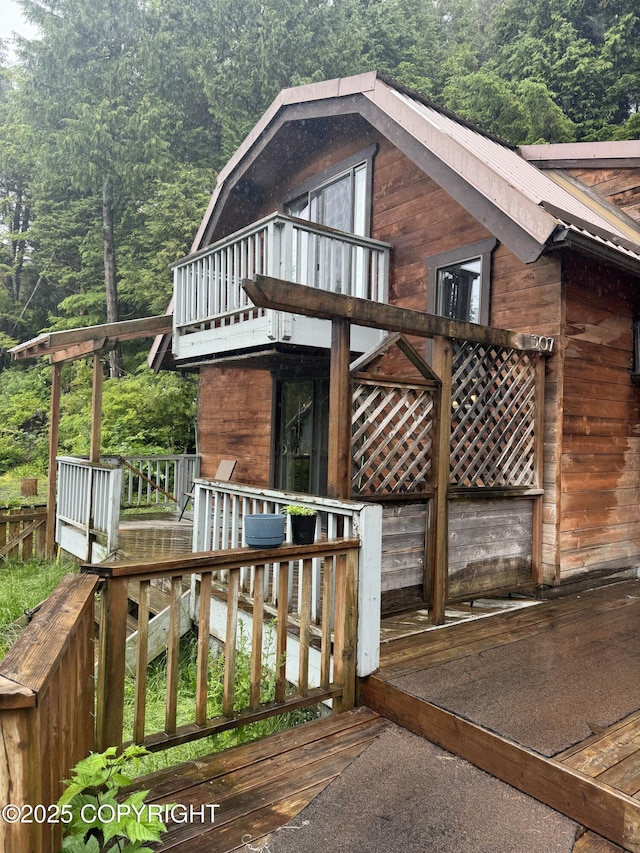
column 88, row 508
column 208, row 292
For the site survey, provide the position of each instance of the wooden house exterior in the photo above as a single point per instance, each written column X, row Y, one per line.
column 409, row 206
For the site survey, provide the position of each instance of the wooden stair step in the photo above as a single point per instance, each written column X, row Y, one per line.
column 158, row 599
column 132, row 622
column 261, row 785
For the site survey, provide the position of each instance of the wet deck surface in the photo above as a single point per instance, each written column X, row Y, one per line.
column 575, row 672
column 149, row 536
column 546, row 699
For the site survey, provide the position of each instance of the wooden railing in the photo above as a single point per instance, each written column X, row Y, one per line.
column 295, row 684
column 219, row 510
column 22, row 532
column 208, row 291
column 46, row 712
column 155, row 480
column 88, row 508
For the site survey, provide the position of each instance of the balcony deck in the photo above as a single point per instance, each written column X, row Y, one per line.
column 213, row 315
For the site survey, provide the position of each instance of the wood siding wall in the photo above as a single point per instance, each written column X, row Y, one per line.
column 490, row 544
column 600, row 526
column 234, row 422
column 618, row 186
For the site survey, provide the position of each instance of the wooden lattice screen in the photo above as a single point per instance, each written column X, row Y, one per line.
column 392, row 437
column 492, row 416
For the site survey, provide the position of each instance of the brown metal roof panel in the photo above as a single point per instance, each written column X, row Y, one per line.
column 507, row 167
column 622, row 154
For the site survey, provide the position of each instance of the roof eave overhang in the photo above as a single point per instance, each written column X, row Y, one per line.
column 523, row 226
column 567, row 237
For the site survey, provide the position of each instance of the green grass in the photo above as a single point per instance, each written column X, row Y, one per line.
column 10, row 485
column 156, row 693
column 22, row 587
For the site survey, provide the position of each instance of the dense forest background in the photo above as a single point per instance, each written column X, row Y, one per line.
column 114, row 122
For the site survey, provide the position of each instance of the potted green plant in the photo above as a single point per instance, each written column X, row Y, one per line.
column 264, row 529
column 303, row 524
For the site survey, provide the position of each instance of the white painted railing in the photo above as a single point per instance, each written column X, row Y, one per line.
column 219, row 510
column 155, row 480
column 88, row 508
column 208, row 285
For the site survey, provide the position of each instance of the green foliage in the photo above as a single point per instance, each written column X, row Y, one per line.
column 153, row 98
column 23, row 586
column 91, row 797
column 141, row 413
column 295, row 509
column 24, row 417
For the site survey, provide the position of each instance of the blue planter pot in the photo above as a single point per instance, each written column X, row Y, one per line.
column 264, row 530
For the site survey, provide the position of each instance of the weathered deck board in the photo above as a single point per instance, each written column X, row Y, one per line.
column 431, row 648
column 589, row 842
column 596, row 781
column 260, row 786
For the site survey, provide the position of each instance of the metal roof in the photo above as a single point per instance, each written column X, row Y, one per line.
column 525, row 206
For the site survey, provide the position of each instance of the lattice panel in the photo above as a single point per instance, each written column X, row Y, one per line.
column 392, row 437
column 492, row 416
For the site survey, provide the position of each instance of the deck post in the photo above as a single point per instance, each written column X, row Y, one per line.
column 111, row 664
column 54, row 429
column 339, row 463
column 369, row 589
column 96, row 409
column 345, row 630
column 442, row 351
column 537, row 570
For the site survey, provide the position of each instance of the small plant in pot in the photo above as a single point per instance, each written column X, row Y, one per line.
column 303, row 524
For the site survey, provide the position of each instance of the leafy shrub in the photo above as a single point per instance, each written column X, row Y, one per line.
column 92, row 795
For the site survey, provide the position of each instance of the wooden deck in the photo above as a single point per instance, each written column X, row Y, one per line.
column 149, row 535
column 259, row 786
column 469, row 688
column 579, row 753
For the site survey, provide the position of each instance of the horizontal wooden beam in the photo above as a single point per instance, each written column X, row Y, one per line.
column 267, row 292
column 230, row 558
column 603, row 809
column 51, row 343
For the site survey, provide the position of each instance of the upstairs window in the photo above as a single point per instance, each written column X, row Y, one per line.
column 339, row 197
column 459, row 282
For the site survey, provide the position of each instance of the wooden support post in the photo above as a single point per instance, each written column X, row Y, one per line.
column 339, row 463
column 173, row 656
column 96, row 410
column 345, row 630
column 54, row 429
column 111, row 665
column 204, row 636
column 442, row 352
column 536, row 557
